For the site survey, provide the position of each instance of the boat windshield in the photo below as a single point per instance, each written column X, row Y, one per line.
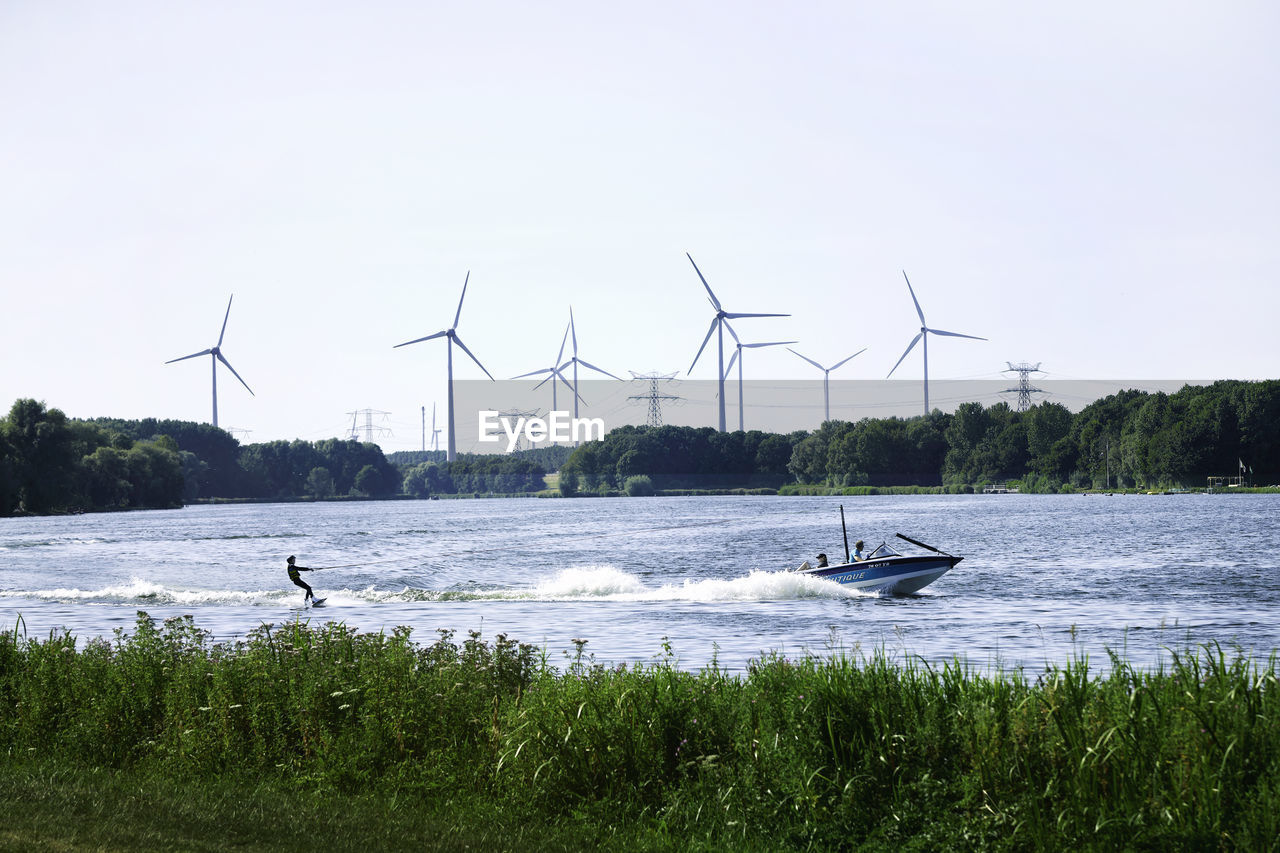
column 883, row 551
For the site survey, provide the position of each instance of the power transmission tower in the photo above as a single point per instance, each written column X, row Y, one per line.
column 513, row 417
column 1025, row 389
column 369, row 428
column 655, row 397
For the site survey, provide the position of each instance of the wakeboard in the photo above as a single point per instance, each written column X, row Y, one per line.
column 318, row 602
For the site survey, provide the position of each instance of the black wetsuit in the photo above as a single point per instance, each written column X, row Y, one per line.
column 293, row 576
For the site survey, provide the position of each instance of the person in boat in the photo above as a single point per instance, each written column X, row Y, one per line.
column 822, row 561
column 858, row 554
column 294, row 568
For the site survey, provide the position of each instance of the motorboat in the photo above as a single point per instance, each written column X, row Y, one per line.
column 887, row 571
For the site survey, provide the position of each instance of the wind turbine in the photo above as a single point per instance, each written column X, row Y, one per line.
column 215, row 355
column 718, row 324
column 554, row 369
column 924, row 333
column 435, row 433
column 452, row 334
column 575, row 361
column 737, row 356
column 826, row 379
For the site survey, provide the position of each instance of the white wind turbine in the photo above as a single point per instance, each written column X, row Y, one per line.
column 575, row 361
column 554, row 370
column 452, row 334
column 717, row 325
column 826, row 379
column 215, row 355
column 737, row 356
column 924, row 333
column 435, row 433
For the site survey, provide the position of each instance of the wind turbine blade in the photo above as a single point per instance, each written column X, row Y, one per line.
column 193, row 355
column 771, row 344
column 544, row 381
column 850, row 358
column 806, row 358
column 420, row 340
column 910, row 347
column 473, row 358
column 739, row 316
column 223, row 359
column 458, row 316
column 573, row 330
column 224, row 321
column 736, row 339
column 704, row 343
column 535, row 372
column 598, row 369
column 913, row 299
column 955, row 335
column 560, row 354
column 728, row 368
column 714, row 301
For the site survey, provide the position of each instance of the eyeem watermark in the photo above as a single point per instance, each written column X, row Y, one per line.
column 557, row 427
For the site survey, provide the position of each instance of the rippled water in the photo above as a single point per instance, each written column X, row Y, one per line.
column 1044, row 578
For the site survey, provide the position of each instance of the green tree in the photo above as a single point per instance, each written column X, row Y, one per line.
column 568, row 484
column 8, row 475
column 368, row 481
column 772, row 456
column 46, row 453
column 106, row 473
column 423, row 480
column 155, row 473
column 638, row 485
column 320, row 482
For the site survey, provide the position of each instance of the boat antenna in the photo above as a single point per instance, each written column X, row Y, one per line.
column 845, row 531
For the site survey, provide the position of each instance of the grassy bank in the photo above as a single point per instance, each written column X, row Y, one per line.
column 299, row 736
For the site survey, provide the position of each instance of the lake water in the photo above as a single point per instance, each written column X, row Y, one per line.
column 1044, row 578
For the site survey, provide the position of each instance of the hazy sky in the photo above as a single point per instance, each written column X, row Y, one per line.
column 1092, row 186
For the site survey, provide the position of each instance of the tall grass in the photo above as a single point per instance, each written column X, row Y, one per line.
column 838, row 752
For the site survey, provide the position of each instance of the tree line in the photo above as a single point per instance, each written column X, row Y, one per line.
column 1129, row 439
column 50, row 463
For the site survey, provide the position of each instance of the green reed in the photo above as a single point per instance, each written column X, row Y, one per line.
column 833, row 752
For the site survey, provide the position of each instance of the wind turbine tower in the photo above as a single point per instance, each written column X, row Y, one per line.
column 452, row 334
column 1025, row 388
column 718, row 324
column 215, row 355
column 826, row 379
column 924, row 334
column 737, row 356
column 435, row 433
column 655, row 396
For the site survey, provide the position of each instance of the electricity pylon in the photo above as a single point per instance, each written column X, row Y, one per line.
column 1025, row 388
column 368, row 427
column 655, row 396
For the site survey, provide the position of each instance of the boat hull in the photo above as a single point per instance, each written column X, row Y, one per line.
column 888, row 575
